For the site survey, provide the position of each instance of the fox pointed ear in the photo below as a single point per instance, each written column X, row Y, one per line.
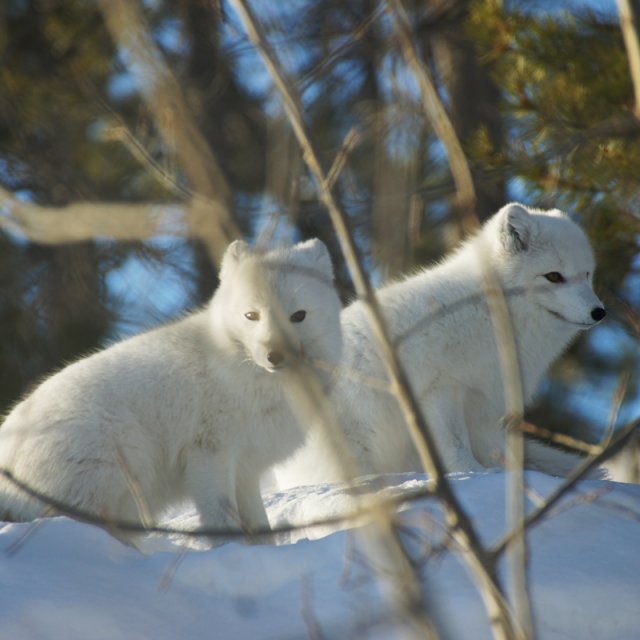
column 318, row 255
column 516, row 228
column 235, row 252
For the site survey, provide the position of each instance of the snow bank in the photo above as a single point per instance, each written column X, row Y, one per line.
column 63, row 579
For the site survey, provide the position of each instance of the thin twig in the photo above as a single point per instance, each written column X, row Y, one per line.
column 122, row 134
column 461, row 527
column 629, row 24
column 339, row 52
column 500, row 317
column 170, row 570
column 514, row 405
column 31, row 529
column 465, row 191
column 350, row 141
column 559, row 438
column 163, row 95
column 134, row 488
column 314, row 630
column 616, row 405
column 576, row 475
column 365, row 511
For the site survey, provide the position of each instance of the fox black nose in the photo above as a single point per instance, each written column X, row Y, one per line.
column 598, row 313
column 275, row 357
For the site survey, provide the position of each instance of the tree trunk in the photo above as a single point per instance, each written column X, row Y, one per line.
column 473, row 96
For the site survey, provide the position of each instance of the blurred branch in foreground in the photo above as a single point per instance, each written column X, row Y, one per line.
column 629, row 23
column 365, row 512
column 211, row 212
column 436, row 113
column 461, row 527
column 590, row 463
column 82, row 221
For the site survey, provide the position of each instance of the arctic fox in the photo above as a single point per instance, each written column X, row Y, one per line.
column 194, row 410
column 442, row 327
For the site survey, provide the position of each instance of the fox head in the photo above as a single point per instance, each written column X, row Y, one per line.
column 280, row 307
column 545, row 256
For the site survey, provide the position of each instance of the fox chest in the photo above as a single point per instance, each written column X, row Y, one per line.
column 245, row 415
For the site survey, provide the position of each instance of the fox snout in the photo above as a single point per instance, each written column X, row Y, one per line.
column 279, row 358
column 275, row 357
column 577, row 305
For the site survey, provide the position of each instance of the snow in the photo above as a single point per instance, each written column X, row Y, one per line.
column 63, row 579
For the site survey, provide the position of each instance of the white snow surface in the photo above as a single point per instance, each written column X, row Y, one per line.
column 62, row 579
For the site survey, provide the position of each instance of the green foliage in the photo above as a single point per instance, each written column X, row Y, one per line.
column 567, row 99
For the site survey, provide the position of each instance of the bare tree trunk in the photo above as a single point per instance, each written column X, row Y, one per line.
column 211, row 208
column 202, row 22
column 21, row 356
column 71, row 300
column 473, row 96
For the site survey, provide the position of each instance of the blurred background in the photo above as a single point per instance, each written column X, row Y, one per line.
column 130, row 130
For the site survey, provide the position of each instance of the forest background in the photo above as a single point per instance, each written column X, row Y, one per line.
column 136, row 138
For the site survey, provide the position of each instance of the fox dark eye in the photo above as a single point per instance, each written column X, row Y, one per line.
column 298, row 316
column 554, row 276
column 252, row 315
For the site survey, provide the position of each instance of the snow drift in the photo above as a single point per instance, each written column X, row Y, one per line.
column 62, row 579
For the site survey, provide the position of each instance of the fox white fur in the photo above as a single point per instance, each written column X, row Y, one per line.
column 441, row 324
column 194, row 410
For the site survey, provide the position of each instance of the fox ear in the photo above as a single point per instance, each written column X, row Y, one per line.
column 318, row 255
column 235, row 252
column 516, row 228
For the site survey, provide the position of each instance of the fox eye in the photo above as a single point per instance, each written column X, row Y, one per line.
column 252, row 315
column 555, row 277
column 298, row 316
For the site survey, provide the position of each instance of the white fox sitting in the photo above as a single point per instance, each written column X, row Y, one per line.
column 442, row 326
column 194, row 410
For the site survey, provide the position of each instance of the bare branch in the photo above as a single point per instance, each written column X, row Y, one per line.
column 616, row 405
column 348, row 144
column 144, row 513
column 466, row 196
column 578, row 474
column 211, row 212
column 500, row 317
column 83, row 221
column 559, row 438
column 629, row 23
column 122, row 134
column 461, row 527
column 514, row 403
column 364, row 513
